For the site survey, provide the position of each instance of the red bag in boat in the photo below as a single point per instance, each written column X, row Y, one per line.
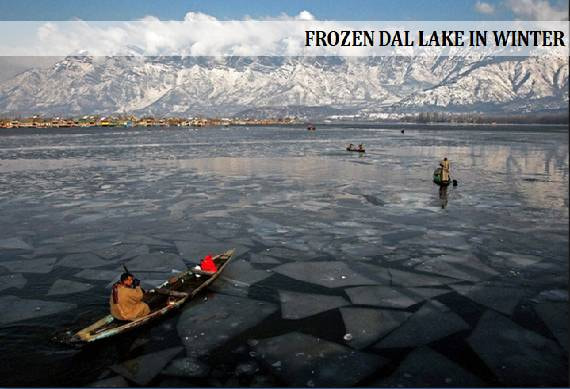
column 208, row 264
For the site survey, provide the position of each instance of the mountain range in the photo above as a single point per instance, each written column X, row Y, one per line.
column 306, row 87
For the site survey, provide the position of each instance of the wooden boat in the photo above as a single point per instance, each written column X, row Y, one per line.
column 437, row 178
column 356, row 150
column 168, row 296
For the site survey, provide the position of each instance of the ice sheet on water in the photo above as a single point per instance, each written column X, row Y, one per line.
column 142, row 239
column 116, row 250
column 87, row 219
column 395, row 238
column 198, row 246
column 391, row 296
column 137, row 250
column 12, row 281
column 517, row 356
column 14, row 244
column 111, row 382
column 206, row 325
column 82, row 261
column 186, row 367
column 230, row 287
column 431, row 322
column 301, row 360
column 63, row 287
column 368, row 325
column 332, row 274
column 553, row 295
column 448, row 239
column 284, row 253
column 466, row 268
column 300, row 305
column 500, row 298
column 40, row 266
column 15, row 309
column 100, row 275
column 404, row 278
column 555, row 316
column 143, row 369
column 502, row 258
column 178, row 210
column 159, row 262
column 263, row 259
column 242, row 271
column 424, row 367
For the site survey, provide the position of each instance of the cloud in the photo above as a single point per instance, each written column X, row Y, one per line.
column 537, row 10
column 484, row 8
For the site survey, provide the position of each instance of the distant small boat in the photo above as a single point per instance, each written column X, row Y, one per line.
column 311, row 127
column 355, row 150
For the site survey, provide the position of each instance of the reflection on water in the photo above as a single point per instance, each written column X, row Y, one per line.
column 282, row 196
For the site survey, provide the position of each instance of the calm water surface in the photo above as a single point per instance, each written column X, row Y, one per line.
column 350, row 268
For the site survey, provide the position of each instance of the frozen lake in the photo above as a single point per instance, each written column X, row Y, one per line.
column 352, row 270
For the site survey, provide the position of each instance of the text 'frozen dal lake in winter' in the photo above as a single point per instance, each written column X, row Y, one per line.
column 350, row 269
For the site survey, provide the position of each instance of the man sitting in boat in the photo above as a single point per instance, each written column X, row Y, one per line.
column 350, row 146
column 126, row 299
column 445, row 166
column 360, row 147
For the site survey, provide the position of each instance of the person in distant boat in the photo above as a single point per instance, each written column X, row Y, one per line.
column 350, row 146
column 208, row 265
column 126, row 299
column 445, row 167
column 360, row 147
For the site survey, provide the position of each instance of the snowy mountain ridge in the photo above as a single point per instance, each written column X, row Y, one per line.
column 189, row 86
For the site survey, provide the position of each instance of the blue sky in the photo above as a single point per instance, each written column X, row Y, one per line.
column 238, row 9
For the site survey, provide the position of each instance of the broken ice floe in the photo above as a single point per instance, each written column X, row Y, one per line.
column 40, row 266
column 553, row 295
column 555, row 316
column 111, row 382
column 99, row 275
column 206, row 325
column 186, row 367
column 263, row 259
column 367, row 325
column 517, row 356
column 12, row 281
column 136, row 251
column 14, row 244
column 300, row 305
column 63, row 287
column 301, row 360
column 460, row 267
column 431, row 322
column 424, row 367
column 15, row 309
column 156, row 262
column 243, row 271
column 143, row 369
column 404, row 278
column 512, row 260
column 328, row 274
column 499, row 298
column 390, row 296
column 116, row 250
column 82, row 261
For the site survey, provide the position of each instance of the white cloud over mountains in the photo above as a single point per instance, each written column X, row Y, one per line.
column 484, row 8
column 538, row 9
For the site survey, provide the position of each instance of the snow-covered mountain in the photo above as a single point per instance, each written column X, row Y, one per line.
column 227, row 86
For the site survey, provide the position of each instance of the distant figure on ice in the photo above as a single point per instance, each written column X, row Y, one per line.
column 126, row 299
column 445, row 167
